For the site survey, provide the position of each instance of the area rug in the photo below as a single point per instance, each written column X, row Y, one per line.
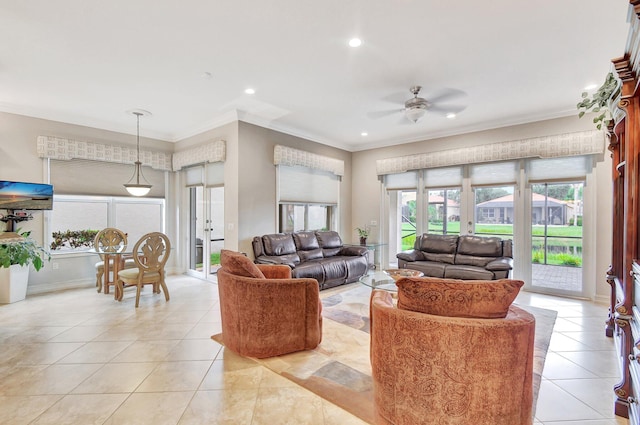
column 339, row 369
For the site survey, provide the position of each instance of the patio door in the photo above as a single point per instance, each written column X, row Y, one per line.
column 206, row 219
column 557, row 238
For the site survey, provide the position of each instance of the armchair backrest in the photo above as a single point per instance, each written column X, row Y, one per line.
column 110, row 240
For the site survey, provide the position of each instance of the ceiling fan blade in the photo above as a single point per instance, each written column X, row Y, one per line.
column 398, row 98
column 445, row 95
column 445, row 109
column 381, row 114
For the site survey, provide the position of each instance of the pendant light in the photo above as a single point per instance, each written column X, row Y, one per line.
column 134, row 186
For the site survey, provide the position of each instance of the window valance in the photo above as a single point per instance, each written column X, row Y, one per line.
column 561, row 145
column 283, row 155
column 67, row 149
column 210, row 152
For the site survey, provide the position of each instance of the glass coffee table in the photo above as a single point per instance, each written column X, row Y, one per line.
column 382, row 280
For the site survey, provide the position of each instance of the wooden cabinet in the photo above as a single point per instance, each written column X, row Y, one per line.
column 623, row 322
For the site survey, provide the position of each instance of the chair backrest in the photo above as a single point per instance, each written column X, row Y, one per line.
column 110, row 240
column 151, row 252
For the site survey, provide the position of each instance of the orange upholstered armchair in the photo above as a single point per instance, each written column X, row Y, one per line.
column 265, row 313
column 436, row 369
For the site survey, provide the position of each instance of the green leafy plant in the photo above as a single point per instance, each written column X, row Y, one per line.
column 599, row 101
column 363, row 232
column 23, row 253
column 73, row 239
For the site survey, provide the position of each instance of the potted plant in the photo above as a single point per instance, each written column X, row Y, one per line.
column 17, row 252
column 600, row 101
column 363, row 232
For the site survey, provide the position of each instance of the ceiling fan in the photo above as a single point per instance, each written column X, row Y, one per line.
column 417, row 107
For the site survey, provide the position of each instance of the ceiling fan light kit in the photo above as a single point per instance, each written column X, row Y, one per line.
column 415, row 108
column 134, row 186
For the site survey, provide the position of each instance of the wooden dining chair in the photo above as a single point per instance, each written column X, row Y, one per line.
column 150, row 254
column 110, row 240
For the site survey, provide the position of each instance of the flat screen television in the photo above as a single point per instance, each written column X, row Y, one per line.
column 25, row 196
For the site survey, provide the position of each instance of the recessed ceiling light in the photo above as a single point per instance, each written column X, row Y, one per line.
column 364, row 134
column 250, row 91
column 591, row 87
column 355, row 42
column 451, row 115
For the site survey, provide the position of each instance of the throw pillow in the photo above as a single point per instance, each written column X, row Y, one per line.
column 458, row 298
column 239, row 265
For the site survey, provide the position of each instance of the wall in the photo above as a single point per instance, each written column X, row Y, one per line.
column 257, row 182
column 20, row 162
column 366, row 188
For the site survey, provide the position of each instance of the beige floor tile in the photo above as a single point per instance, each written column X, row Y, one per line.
column 47, row 352
column 594, row 422
column 603, row 364
column 195, row 349
column 555, row 404
column 333, row 415
column 116, row 378
column 21, row 410
column 53, row 379
column 78, row 334
column 233, row 372
column 204, row 330
column 561, row 342
column 96, row 352
column 283, row 406
column 217, row 407
column 175, row 376
column 594, row 340
column 164, row 408
column 146, row 351
column 595, row 393
column 558, row 367
column 85, row 409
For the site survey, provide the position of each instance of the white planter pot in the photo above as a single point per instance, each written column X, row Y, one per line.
column 13, row 283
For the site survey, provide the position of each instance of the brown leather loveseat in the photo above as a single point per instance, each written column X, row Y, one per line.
column 466, row 257
column 320, row 255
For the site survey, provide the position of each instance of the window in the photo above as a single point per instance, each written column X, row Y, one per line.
column 298, row 217
column 133, row 216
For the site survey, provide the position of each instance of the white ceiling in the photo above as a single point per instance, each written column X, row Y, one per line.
column 87, row 62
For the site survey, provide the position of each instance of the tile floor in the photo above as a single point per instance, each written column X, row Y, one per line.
column 78, row 357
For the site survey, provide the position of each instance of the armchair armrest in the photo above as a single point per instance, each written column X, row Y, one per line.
column 275, row 271
column 353, row 250
column 411, row 255
column 500, row 264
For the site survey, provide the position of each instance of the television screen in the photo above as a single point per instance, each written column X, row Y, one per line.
column 25, row 196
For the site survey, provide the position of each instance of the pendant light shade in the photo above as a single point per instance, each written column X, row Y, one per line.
column 138, row 185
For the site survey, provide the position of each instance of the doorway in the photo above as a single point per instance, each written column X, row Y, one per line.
column 557, row 238
column 206, row 230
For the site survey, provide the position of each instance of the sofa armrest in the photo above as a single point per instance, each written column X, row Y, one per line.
column 411, row 255
column 353, row 250
column 275, row 271
column 501, row 264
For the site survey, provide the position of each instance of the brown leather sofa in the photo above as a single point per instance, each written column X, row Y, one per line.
column 319, row 255
column 467, row 257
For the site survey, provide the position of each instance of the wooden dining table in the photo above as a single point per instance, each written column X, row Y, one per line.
column 113, row 263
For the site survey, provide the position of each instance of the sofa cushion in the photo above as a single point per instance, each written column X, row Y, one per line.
column 458, row 298
column 429, row 268
column 440, row 248
column 238, row 264
column 310, row 255
column 305, row 241
column 465, row 272
column 479, row 246
column 329, row 239
column 279, row 244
